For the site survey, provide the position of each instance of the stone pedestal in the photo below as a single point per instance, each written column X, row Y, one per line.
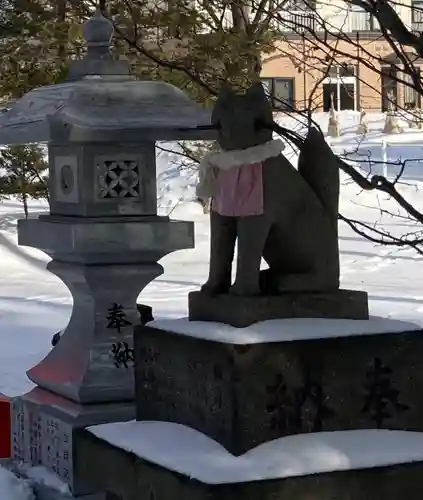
column 334, row 129
column 362, row 129
column 243, row 387
column 363, row 126
column 44, row 426
column 415, row 118
column 391, row 124
column 244, row 311
column 105, row 271
column 132, row 478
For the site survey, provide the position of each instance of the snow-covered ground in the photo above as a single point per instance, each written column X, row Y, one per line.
column 12, row 488
column 34, row 304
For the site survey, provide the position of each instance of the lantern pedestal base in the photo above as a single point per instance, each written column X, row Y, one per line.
column 105, row 264
column 43, row 431
column 89, row 364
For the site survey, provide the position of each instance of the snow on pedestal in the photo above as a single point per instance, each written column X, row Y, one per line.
column 165, row 460
column 191, row 453
column 283, row 330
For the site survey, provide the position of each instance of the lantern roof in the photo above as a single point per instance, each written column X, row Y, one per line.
column 102, row 102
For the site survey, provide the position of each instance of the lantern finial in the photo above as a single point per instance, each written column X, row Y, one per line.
column 98, row 33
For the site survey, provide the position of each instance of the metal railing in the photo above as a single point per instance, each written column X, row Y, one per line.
column 351, row 22
column 417, row 16
column 303, row 21
column 296, row 21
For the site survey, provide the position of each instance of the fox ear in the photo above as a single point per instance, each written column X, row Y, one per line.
column 256, row 91
column 225, row 97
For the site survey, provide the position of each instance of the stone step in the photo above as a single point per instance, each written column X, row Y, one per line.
column 155, row 460
column 43, row 421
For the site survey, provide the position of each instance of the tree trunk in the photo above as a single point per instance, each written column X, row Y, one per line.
column 241, row 24
column 24, row 195
column 61, row 17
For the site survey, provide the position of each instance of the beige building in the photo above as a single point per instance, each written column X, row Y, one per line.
column 364, row 73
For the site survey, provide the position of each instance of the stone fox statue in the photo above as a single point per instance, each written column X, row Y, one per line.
column 286, row 216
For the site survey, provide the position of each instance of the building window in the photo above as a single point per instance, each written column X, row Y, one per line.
column 340, row 72
column 412, row 98
column 353, row 19
column 417, row 15
column 361, row 20
column 280, row 92
column 340, row 88
column 389, row 88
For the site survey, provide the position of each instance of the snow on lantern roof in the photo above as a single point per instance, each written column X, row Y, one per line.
column 101, row 101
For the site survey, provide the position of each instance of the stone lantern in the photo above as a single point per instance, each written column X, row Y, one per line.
column 103, row 234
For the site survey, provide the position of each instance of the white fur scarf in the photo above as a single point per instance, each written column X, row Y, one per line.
column 228, row 159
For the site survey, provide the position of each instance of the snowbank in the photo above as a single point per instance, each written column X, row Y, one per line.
column 43, row 476
column 12, row 488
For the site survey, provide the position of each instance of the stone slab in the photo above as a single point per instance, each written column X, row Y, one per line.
column 244, row 311
column 118, row 242
column 244, row 395
column 43, row 429
column 70, row 219
column 131, row 478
